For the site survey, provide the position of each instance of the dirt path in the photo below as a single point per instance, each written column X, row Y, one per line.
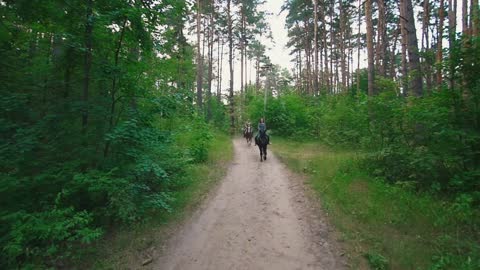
column 259, row 218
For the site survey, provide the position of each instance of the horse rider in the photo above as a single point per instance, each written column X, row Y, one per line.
column 262, row 128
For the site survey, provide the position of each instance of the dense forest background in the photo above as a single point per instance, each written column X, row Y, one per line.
column 104, row 104
column 97, row 121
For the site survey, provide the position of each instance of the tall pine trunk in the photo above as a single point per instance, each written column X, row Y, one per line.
column 242, row 11
column 370, row 52
column 426, row 42
column 220, row 73
column 452, row 26
column 474, row 17
column 403, row 32
column 343, row 53
column 332, row 41
column 325, row 48
column 315, row 30
column 113, row 91
column 87, row 63
column 439, row 63
column 358, row 44
column 465, row 17
column 416, row 83
column 392, row 74
column 230, row 62
column 381, row 38
column 199, row 61
column 210, row 69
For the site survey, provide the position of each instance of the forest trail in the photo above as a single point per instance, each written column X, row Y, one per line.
column 258, row 218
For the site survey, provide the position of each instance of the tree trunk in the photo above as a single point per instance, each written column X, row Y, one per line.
column 325, row 47
column 381, row 38
column 199, row 61
column 426, row 42
column 452, row 29
column 230, row 61
column 257, row 73
column 241, row 49
column 245, row 53
column 68, row 71
column 250, row 74
column 404, row 41
column 332, row 40
column 370, row 52
column 210, row 69
column 465, row 17
column 315, row 32
column 392, row 54
column 349, row 59
column 475, row 17
column 308, row 52
column 220, row 74
column 343, row 52
column 245, row 58
column 439, row 63
column 358, row 44
column 87, row 63
column 219, row 64
column 416, row 83
column 300, row 71
column 113, row 91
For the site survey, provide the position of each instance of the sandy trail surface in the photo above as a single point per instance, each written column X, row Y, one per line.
column 258, row 218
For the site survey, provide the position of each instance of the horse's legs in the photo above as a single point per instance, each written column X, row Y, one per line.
column 265, row 152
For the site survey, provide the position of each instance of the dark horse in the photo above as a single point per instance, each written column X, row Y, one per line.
column 248, row 134
column 262, row 141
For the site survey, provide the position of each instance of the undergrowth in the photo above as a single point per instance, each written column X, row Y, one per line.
column 383, row 225
column 127, row 244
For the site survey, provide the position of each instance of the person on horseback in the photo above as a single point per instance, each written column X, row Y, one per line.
column 246, row 128
column 262, row 129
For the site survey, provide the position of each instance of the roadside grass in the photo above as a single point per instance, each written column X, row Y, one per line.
column 127, row 246
column 382, row 226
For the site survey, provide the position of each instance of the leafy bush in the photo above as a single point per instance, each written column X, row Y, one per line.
column 426, row 141
column 377, row 261
column 341, row 120
column 71, row 168
column 286, row 114
column 422, row 140
column 48, row 235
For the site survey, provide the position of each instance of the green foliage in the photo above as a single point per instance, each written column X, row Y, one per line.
column 430, row 142
column 86, row 145
column 391, row 226
column 196, row 138
column 285, row 115
column 424, row 141
column 220, row 118
column 334, row 119
column 186, row 192
column 377, row 261
column 421, row 155
column 47, row 234
column 341, row 120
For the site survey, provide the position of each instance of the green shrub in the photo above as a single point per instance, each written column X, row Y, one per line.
column 44, row 237
column 377, row 261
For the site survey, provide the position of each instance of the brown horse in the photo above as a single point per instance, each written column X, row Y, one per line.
column 248, row 134
column 262, row 141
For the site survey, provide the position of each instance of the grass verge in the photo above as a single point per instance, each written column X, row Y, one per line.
column 125, row 248
column 383, row 226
